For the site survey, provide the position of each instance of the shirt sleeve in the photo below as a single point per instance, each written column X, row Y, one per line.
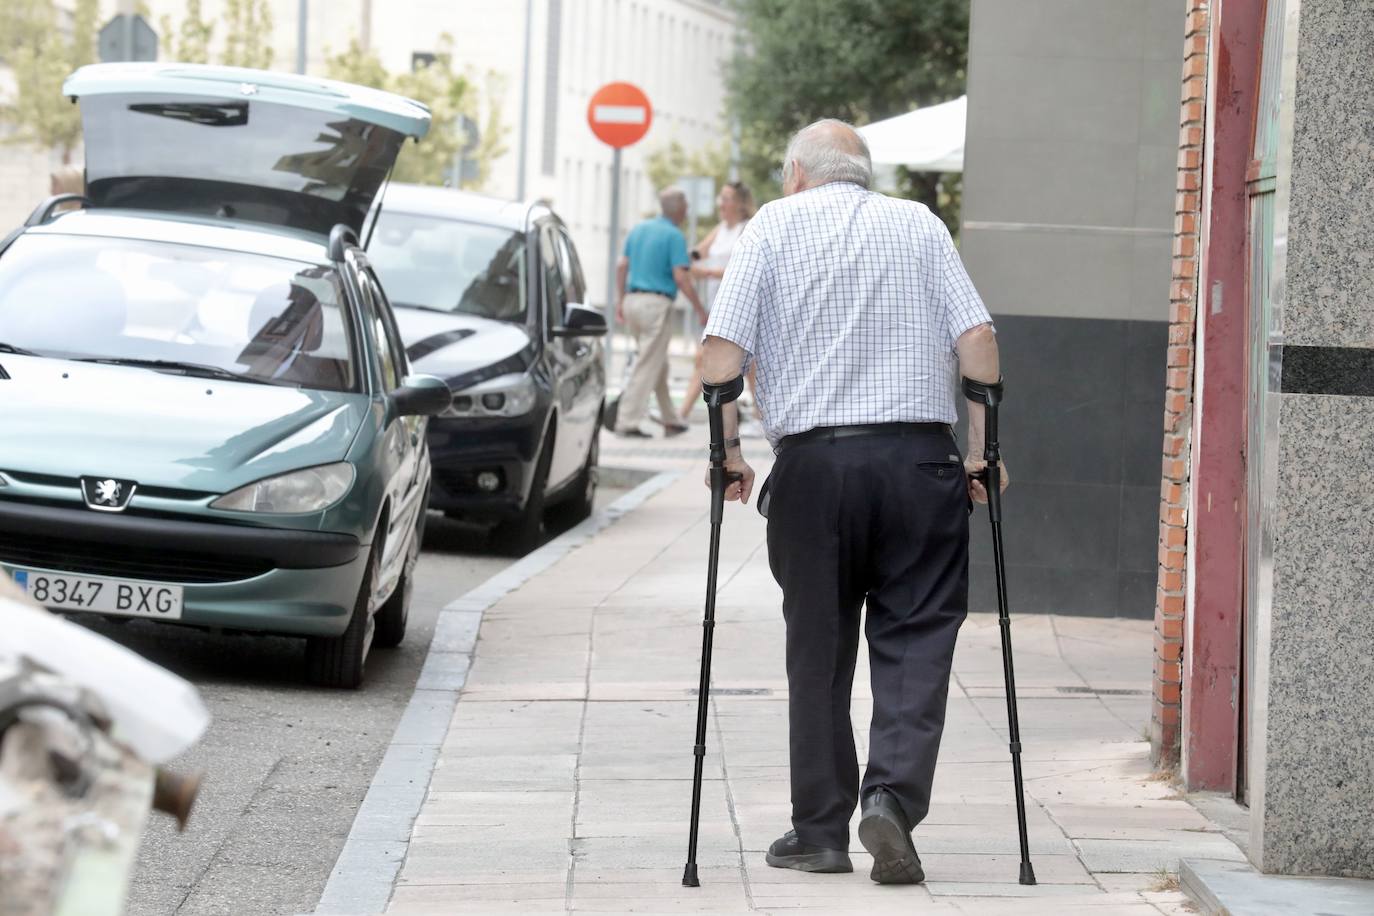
column 628, row 236
column 748, row 275
column 964, row 308
column 677, row 251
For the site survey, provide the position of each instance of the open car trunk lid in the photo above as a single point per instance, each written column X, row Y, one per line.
column 254, row 145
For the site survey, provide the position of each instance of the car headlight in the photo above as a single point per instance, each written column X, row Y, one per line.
column 307, row 490
column 504, row 396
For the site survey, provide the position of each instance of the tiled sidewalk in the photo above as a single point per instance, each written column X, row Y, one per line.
column 564, row 783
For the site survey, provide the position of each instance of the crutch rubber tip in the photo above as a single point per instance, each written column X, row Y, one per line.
column 689, row 876
column 1027, row 873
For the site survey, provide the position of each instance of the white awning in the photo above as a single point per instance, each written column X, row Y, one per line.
column 925, row 140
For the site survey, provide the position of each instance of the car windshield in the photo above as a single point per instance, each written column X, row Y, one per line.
column 450, row 266
column 178, row 308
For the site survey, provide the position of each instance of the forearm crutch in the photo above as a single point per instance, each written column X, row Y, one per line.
column 716, row 397
column 989, row 394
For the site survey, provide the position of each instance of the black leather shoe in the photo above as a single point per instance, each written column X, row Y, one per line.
column 884, row 832
column 789, row 852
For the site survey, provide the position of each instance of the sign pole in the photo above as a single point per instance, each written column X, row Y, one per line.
column 126, row 32
column 688, row 319
column 302, row 24
column 611, row 260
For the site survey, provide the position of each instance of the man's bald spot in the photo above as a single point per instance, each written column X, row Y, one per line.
column 836, row 134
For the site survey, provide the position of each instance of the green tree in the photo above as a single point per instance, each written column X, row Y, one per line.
column 450, row 95
column 189, row 42
column 859, row 60
column 248, row 34
column 42, row 50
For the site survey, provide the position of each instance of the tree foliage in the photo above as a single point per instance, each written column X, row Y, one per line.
column 450, row 95
column 858, row 60
column 42, row 48
column 247, row 41
column 190, row 41
column 247, row 34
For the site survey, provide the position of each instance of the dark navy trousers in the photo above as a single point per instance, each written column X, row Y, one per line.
column 877, row 520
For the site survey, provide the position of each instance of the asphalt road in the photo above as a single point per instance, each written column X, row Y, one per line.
column 286, row 764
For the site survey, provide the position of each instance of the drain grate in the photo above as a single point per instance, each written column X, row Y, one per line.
column 1105, row 691
column 734, row 692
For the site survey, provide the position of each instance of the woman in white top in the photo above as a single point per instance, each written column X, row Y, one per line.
column 734, row 204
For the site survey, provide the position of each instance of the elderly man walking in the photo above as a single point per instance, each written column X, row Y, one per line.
column 854, row 307
column 655, row 266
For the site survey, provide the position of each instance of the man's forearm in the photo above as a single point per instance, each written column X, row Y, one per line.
column 622, row 270
column 689, row 289
column 978, row 360
column 722, row 361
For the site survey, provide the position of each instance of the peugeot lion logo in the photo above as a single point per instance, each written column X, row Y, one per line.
column 107, row 494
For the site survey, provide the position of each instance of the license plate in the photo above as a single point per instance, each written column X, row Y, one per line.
column 62, row 592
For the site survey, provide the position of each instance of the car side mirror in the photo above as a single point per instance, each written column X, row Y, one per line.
column 421, row 396
column 581, row 321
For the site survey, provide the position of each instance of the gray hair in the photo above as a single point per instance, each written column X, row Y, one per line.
column 829, row 150
column 672, row 198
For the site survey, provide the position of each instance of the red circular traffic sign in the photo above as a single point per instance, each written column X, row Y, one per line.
column 619, row 114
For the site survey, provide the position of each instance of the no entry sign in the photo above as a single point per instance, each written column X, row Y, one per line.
column 619, row 114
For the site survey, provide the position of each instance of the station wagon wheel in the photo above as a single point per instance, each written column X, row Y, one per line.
column 337, row 661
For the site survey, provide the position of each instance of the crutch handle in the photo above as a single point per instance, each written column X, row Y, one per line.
column 989, row 394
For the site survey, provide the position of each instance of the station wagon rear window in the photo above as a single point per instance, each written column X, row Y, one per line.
column 236, row 158
column 260, row 318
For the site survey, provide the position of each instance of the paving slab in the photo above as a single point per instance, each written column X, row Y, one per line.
column 1237, row 887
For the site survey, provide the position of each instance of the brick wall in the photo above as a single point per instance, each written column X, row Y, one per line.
column 1170, row 597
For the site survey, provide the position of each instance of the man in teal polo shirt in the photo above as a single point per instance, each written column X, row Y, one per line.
column 655, row 267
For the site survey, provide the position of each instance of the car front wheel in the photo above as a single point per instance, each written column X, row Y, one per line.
column 391, row 617
column 337, row 661
column 519, row 535
column 582, row 494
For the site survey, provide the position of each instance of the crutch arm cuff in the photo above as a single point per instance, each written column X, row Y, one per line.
column 716, row 394
column 989, row 394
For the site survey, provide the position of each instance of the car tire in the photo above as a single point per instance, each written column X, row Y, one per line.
column 582, row 494
column 519, row 535
column 392, row 616
column 337, row 661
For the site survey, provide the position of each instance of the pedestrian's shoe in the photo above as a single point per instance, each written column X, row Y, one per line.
column 884, row 832
column 790, row 852
column 633, row 432
column 671, row 425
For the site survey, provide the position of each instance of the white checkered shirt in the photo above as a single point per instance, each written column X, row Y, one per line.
column 849, row 302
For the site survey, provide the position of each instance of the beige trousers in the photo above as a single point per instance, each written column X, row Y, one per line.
column 647, row 319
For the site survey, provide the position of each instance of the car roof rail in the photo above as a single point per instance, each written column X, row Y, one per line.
column 45, row 211
column 340, row 237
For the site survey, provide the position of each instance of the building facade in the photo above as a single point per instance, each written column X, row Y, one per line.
column 1265, row 585
column 1067, row 224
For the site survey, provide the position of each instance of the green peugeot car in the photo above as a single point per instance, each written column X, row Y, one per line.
column 206, row 416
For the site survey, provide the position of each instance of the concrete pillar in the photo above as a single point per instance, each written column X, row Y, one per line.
column 1312, row 748
column 1069, row 205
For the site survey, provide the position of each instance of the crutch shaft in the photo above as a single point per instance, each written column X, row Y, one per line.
column 708, row 626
